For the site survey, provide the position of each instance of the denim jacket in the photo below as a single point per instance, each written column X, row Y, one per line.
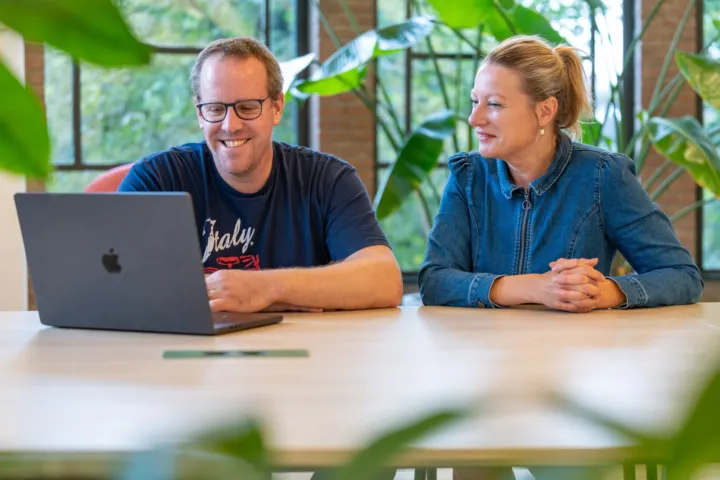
column 588, row 204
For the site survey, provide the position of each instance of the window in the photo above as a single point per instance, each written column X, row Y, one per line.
column 414, row 88
column 99, row 118
column 709, row 248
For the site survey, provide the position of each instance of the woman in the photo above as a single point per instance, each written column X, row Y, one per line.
column 533, row 217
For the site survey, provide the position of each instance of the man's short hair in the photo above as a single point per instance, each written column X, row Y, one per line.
column 241, row 47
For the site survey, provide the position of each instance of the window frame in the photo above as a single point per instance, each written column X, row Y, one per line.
column 629, row 79
column 303, row 29
column 708, row 274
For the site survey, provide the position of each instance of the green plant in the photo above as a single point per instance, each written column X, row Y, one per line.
column 417, row 149
column 240, row 450
column 89, row 30
column 683, row 142
column 692, row 443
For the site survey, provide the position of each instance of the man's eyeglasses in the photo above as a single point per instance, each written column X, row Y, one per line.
column 215, row 112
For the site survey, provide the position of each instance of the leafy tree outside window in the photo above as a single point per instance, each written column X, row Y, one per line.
column 99, row 118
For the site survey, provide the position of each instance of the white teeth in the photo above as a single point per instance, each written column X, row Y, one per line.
column 235, row 143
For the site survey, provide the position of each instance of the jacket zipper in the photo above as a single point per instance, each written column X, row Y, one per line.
column 526, row 205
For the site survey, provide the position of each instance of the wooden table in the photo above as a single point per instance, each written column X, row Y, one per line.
column 99, row 393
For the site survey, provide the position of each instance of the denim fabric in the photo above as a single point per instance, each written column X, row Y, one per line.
column 588, row 204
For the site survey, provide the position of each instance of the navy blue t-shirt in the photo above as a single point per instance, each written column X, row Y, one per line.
column 312, row 211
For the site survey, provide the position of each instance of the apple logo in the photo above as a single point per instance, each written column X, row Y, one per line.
column 110, row 262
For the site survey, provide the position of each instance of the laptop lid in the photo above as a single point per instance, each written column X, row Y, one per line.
column 119, row 261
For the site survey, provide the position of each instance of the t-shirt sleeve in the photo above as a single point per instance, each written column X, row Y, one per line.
column 142, row 177
column 351, row 224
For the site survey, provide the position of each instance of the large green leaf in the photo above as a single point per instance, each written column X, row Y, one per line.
column 418, row 156
column 502, row 18
column 520, row 20
column 463, row 13
column 403, row 35
column 695, row 443
column 703, row 74
column 350, row 56
column 89, row 30
column 683, row 141
column 24, row 142
column 332, row 84
column 186, row 464
column 698, row 442
column 529, row 22
column 591, row 132
column 370, row 460
column 344, row 70
column 292, row 68
column 500, row 25
column 234, row 450
column 714, row 134
column 242, row 440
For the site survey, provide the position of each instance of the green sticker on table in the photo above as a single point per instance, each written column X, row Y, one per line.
column 234, row 353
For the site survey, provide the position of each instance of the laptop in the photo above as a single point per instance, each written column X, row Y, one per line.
column 121, row 261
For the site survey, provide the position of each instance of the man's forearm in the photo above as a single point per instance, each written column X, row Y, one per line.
column 356, row 283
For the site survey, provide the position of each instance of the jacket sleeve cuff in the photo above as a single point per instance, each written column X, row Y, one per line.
column 635, row 293
column 479, row 294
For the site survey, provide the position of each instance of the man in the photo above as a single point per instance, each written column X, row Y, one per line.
column 268, row 212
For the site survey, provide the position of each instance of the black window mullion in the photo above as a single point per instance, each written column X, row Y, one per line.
column 85, row 167
column 77, row 139
column 444, row 56
column 593, row 33
column 176, row 50
column 268, row 25
column 699, row 194
column 628, row 83
column 303, row 29
column 408, row 74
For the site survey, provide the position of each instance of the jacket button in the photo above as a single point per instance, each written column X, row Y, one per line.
column 480, row 305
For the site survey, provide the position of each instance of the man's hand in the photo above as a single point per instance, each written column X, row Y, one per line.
column 240, row 291
column 369, row 278
column 573, row 278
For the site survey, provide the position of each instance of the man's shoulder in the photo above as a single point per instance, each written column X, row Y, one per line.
column 305, row 160
column 185, row 158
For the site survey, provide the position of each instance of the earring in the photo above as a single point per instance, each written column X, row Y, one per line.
column 542, row 131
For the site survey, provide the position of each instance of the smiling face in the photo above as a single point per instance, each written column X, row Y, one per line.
column 242, row 149
column 506, row 120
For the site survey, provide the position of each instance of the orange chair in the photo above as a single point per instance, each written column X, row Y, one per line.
column 109, row 181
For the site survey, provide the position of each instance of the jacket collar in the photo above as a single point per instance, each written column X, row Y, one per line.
column 542, row 184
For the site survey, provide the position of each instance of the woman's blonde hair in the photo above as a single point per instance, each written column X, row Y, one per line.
column 548, row 72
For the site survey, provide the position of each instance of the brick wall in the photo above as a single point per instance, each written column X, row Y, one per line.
column 35, row 69
column 35, row 77
column 347, row 128
column 654, row 48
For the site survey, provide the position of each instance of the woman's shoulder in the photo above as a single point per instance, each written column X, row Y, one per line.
column 462, row 164
column 601, row 158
